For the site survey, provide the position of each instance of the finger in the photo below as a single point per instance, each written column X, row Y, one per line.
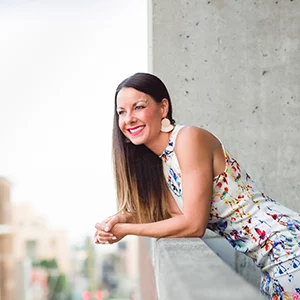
column 106, row 220
column 112, row 241
column 100, row 226
column 105, row 240
column 103, row 227
column 103, row 233
column 103, row 223
column 111, row 223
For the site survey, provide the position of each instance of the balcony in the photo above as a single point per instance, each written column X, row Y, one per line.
column 187, row 268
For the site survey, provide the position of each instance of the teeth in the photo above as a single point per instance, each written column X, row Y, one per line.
column 136, row 129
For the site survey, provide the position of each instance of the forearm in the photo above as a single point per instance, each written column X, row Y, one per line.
column 178, row 226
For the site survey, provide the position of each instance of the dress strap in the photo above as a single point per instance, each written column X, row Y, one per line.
column 171, row 144
column 175, row 133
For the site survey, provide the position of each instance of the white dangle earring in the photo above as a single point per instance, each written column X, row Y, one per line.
column 166, row 125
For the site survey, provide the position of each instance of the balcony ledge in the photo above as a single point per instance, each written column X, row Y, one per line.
column 186, row 268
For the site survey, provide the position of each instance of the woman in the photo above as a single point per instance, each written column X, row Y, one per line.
column 176, row 181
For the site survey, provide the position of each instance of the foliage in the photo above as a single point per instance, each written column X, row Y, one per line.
column 48, row 264
column 59, row 287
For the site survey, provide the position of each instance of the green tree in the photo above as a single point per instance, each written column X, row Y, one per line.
column 48, row 264
column 59, row 287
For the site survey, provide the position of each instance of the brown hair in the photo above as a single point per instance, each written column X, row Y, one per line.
column 140, row 183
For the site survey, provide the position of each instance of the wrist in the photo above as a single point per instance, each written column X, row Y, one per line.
column 122, row 218
column 131, row 229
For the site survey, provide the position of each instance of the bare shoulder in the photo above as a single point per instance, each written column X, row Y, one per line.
column 195, row 148
column 193, row 135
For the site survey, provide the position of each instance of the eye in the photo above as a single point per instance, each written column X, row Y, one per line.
column 139, row 107
column 120, row 112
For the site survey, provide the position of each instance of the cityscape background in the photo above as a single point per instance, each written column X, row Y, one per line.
column 60, row 62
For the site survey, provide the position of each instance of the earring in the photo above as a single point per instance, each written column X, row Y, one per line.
column 166, row 125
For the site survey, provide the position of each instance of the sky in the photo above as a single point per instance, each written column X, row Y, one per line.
column 60, row 62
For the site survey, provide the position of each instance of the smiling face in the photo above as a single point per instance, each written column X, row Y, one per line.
column 140, row 116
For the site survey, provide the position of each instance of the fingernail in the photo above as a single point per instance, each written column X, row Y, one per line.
column 106, row 229
column 114, row 238
column 106, row 242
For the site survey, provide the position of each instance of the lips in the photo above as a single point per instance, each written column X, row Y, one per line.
column 136, row 130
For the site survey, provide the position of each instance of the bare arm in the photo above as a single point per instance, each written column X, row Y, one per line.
column 194, row 149
column 178, row 226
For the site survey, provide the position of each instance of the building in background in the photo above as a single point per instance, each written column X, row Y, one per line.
column 43, row 255
column 7, row 254
column 34, row 256
column 35, row 240
column 106, row 271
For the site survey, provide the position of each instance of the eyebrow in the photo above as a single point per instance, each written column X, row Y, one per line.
column 135, row 103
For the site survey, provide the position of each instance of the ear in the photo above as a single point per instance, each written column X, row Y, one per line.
column 164, row 107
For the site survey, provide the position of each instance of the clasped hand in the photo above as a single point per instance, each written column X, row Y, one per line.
column 108, row 231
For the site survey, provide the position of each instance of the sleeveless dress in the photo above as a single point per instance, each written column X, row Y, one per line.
column 252, row 223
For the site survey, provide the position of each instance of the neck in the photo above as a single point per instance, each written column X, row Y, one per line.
column 160, row 144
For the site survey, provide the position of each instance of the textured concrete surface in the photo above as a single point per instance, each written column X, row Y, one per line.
column 188, row 269
column 222, row 249
column 246, row 267
column 232, row 67
column 236, row 260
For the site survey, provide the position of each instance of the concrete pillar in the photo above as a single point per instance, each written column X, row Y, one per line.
column 7, row 261
column 232, row 67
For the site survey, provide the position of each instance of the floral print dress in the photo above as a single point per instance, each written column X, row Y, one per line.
column 252, row 223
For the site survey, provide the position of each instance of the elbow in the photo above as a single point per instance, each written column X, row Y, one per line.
column 201, row 232
column 198, row 231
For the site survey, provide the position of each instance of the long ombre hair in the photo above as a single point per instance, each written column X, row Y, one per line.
column 140, row 183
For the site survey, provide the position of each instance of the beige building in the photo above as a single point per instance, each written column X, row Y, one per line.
column 34, row 239
column 26, row 238
column 7, row 255
column 135, row 272
column 137, row 264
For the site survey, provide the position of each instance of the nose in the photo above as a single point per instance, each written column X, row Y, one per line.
column 129, row 119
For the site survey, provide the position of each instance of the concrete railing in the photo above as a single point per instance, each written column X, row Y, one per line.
column 186, row 268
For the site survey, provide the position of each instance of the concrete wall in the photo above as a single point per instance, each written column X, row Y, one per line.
column 187, row 269
column 233, row 68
